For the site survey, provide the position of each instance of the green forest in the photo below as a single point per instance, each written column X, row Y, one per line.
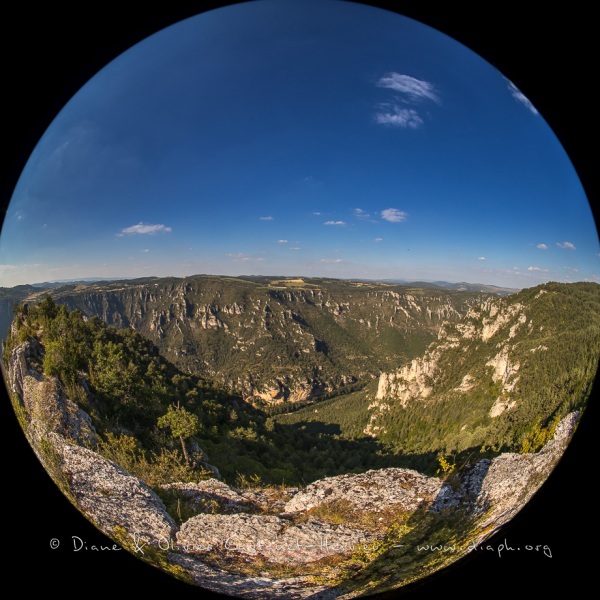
column 558, row 359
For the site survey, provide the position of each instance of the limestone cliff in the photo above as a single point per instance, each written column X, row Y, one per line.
column 275, row 340
column 479, row 350
column 62, row 436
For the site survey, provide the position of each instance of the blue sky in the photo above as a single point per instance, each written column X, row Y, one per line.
column 300, row 138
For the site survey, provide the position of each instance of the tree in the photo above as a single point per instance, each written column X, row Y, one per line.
column 183, row 424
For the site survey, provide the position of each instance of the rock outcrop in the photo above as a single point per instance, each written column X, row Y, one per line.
column 61, row 435
column 332, row 519
column 273, row 538
column 44, row 400
column 111, row 497
column 512, row 479
column 373, row 491
column 212, row 496
column 483, row 340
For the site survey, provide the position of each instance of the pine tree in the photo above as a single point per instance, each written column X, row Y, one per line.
column 183, row 424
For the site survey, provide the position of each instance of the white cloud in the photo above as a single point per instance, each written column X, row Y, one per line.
column 567, row 245
column 537, row 269
column 296, row 248
column 520, row 97
column 145, row 250
column 334, row 223
column 393, row 215
column 378, row 240
column 8, row 267
column 144, row 229
column 542, row 246
column 317, row 213
column 266, row 218
column 409, row 91
column 361, row 214
column 481, row 258
column 241, row 257
column 414, row 89
column 399, row 117
column 331, row 260
column 282, row 241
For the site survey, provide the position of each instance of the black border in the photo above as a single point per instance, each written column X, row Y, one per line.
column 51, row 50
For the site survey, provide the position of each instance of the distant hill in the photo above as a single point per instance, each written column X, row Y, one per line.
column 461, row 286
column 273, row 339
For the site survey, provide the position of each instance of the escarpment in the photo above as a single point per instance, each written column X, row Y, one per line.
column 275, row 341
column 506, row 361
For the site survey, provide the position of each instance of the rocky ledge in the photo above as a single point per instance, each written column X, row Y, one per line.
column 258, row 543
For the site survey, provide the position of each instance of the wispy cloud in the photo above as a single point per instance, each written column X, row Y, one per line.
column 266, row 218
column 331, row 260
column 145, row 229
column 542, row 246
column 145, row 250
column 413, row 89
column 537, row 269
column 334, row 223
column 393, row 215
column 378, row 239
column 296, row 248
column 481, row 258
column 282, row 241
column 567, row 245
column 361, row 214
column 241, row 257
column 398, row 117
column 317, row 213
column 409, row 91
column 520, row 97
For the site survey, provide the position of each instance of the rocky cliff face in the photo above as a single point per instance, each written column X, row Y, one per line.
column 271, row 542
column 479, row 348
column 275, row 340
column 64, row 439
column 46, row 406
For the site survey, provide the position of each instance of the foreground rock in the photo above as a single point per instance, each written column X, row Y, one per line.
column 259, row 587
column 259, row 543
column 111, row 497
column 512, row 479
column 212, row 496
column 373, row 491
column 44, row 400
column 58, row 431
column 275, row 539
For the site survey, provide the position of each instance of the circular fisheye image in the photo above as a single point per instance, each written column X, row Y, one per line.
column 299, row 299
